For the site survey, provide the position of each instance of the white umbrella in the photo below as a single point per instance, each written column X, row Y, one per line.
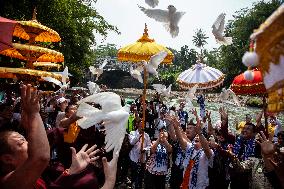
column 203, row 76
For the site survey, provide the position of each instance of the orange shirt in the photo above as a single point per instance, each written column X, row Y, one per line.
column 71, row 134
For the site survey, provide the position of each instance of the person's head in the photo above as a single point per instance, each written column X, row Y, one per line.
column 248, row 131
column 13, row 151
column 248, row 118
column 181, row 105
column 280, row 138
column 62, row 103
column 190, row 130
column 6, row 111
column 196, row 142
column 70, row 110
column 138, row 125
column 219, row 135
column 272, row 120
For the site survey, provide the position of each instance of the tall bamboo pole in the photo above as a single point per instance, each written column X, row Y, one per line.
column 144, row 112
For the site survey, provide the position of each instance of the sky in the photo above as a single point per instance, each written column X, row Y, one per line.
column 130, row 21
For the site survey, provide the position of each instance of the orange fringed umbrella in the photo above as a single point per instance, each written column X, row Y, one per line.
column 47, row 64
column 241, row 86
column 33, row 53
column 143, row 49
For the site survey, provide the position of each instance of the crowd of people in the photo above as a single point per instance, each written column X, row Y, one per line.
column 42, row 146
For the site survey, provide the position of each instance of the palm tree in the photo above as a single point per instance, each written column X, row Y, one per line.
column 199, row 39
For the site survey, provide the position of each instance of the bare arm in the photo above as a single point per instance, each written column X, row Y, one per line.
column 210, row 127
column 172, row 132
column 66, row 122
column 26, row 175
column 154, row 146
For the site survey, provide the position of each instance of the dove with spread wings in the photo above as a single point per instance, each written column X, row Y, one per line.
column 63, row 85
column 154, row 62
column 226, row 94
column 218, row 29
column 162, row 89
column 93, row 87
column 136, row 73
column 169, row 17
column 98, row 71
column 112, row 114
column 152, row 3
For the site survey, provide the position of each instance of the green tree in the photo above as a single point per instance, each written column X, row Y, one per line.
column 75, row 20
column 199, row 39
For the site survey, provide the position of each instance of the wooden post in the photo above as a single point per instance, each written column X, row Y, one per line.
column 144, row 112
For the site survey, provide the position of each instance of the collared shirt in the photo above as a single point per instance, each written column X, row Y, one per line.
column 204, row 162
column 134, row 139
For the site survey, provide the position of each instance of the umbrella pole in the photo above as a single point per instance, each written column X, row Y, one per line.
column 144, row 112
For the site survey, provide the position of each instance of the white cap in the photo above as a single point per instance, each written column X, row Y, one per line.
column 60, row 100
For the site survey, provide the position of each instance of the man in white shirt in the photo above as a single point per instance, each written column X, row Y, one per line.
column 197, row 158
column 138, row 156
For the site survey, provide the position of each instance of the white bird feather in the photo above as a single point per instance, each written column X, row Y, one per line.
column 169, row 17
column 225, row 95
column 136, row 73
column 113, row 115
column 93, row 87
column 98, row 71
column 218, row 29
column 154, row 62
column 162, row 89
column 63, row 85
column 152, row 3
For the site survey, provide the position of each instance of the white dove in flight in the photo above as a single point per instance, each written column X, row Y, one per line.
column 218, row 29
column 63, row 85
column 98, row 71
column 136, row 73
column 152, row 3
column 162, row 89
column 225, row 95
column 154, row 62
column 190, row 95
column 169, row 17
column 93, row 87
column 112, row 114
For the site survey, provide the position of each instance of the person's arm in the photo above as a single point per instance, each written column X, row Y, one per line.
column 203, row 141
column 172, row 132
column 66, row 122
column 134, row 137
column 110, row 169
column 26, row 175
column 210, row 127
column 258, row 119
column 177, row 128
column 167, row 145
column 155, row 145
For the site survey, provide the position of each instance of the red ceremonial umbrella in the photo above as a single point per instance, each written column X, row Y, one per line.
column 6, row 30
column 241, row 86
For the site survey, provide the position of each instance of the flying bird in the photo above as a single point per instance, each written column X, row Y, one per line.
column 226, row 94
column 162, row 89
column 63, row 85
column 218, row 29
column 169, row 17
column 93, row 87
column 152, row 3
column 154, row 62
column 112, row 114
column 136, row 73
column 98, row 71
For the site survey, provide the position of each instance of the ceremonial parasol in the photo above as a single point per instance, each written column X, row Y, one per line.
column 35, row 55
column 141, row 50
column 270, row 49
column 241, row 86
column 200, row 74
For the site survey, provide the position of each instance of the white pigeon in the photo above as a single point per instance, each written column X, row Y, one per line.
column 169, row 17
column 162, row 89
column 225, row 95
column 218, row 29
column 63, row 85
column 93, row 87
column 136, row 73
column 112, row 114
column 152, row 3
column 154, row 62
column 98, row 71
column 190, row 96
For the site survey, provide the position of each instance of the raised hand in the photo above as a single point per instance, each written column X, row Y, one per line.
column 30, row 100
column 208, row 115
column 267, row 147
column 110, row 169
column 82, row 159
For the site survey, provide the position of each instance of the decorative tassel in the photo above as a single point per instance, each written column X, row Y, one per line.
column 249, row 75
column 250, row 59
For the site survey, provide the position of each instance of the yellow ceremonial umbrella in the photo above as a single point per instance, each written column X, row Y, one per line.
column 143, row 49
column 35, row 31
column 47, row 64
column 269, row 39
